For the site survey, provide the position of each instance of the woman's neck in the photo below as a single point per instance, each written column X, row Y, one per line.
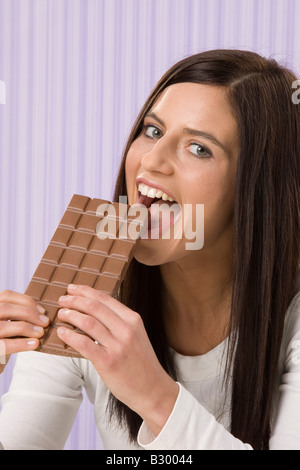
column 197, row 304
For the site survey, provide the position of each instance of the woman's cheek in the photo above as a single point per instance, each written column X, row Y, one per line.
column 132, row 164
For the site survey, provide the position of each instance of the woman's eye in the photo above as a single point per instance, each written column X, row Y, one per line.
column 199, row 150
column 152, row 131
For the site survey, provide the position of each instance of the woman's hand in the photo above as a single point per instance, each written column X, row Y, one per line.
column 118, row 346
column 22, row 323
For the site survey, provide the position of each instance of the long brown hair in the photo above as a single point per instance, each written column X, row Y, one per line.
column 266, row 233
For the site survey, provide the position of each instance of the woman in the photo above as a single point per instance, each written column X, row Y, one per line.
column 199, row 349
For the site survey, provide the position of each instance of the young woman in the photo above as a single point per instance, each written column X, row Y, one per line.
column 199, row 350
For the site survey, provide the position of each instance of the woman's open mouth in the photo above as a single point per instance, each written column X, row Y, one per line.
column 163, row 211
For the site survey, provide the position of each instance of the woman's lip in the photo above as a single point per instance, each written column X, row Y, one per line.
column 154, row 185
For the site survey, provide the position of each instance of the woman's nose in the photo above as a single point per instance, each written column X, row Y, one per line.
column 159, row 158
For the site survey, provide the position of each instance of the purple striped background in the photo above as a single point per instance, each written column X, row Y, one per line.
column 76, row 74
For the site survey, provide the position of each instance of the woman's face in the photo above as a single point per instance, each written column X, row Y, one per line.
column 188, row 150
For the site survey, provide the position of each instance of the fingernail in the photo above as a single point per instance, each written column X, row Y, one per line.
column 44, row 319
column 72, row 286
column 32, row 342
column 60, row 331
column 40, row 309
column 63, row 311
column 39, row 329
column 63, row 298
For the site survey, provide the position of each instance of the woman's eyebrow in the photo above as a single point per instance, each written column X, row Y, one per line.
column 210, row 137
column 153, row 115
column 187, row 130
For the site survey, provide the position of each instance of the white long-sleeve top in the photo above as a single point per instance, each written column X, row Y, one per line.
column 46, row 390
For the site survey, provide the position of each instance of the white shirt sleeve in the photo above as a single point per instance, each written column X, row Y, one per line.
column 189, row 427
column 41, row 405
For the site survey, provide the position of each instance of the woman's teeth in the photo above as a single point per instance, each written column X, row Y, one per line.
column 153, row 192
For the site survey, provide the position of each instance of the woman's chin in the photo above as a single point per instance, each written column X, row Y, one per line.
column 157, row 252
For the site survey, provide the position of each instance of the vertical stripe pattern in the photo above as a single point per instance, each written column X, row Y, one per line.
column 76, row 73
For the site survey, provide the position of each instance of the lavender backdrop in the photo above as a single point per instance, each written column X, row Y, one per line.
column 76, row 74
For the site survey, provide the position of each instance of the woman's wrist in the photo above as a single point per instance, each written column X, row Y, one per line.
column 162, row 404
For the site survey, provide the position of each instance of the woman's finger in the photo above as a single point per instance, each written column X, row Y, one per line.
column 27, row 313
column 93, row 308
column 87, row 347
column 11, row 297
column 88, row 324
column 10, row 329
column 86, row 291
column 12, row 346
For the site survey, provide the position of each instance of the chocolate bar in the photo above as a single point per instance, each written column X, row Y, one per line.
column 92, row 245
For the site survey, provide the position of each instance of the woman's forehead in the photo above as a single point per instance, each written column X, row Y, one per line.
column 200, row 107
